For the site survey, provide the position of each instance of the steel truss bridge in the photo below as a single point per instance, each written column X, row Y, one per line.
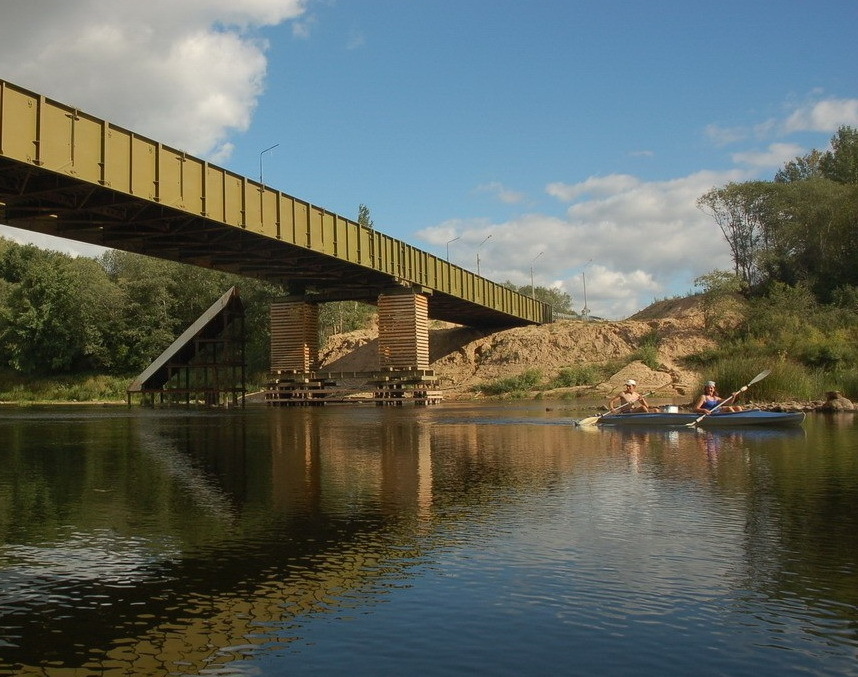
column 66, row 173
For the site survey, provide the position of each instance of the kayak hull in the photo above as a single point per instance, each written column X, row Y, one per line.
column 751, row 417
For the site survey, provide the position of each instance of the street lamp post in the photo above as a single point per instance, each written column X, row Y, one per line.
column 478, row 252
column 585, row 311
column 448, row 247
column 532, row 288
column 260, row 159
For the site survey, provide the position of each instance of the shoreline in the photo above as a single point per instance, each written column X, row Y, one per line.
column 581, row 403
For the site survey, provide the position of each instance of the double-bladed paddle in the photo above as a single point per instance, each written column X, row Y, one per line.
column 758, row 377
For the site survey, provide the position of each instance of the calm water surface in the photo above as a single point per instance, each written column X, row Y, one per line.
column 450, row 540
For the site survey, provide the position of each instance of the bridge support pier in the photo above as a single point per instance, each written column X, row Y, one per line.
column 403, row 330
column 294, row 335
column 401, row 374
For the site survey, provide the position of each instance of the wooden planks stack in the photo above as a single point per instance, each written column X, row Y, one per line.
column 294, row 336
column 403, row 331
column 418, row 386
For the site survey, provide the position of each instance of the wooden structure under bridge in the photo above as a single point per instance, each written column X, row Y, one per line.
column 67, row 173
column 205, row 365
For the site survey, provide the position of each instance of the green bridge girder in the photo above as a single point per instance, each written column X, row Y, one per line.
column 66, row 173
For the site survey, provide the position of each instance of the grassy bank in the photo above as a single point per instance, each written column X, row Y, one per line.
column 80, row 388
column 787, row 380
column 18, row 389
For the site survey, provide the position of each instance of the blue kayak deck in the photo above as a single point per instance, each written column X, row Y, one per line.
column 751, row 417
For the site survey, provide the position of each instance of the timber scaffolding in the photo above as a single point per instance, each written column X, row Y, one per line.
column 204, row 366
column 386, row 387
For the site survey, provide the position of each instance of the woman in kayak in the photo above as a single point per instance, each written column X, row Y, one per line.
column 711, row 399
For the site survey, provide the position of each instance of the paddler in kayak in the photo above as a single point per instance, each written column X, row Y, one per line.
column 711, row 399
column 629, row 400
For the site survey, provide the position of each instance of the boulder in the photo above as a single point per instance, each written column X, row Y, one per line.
column 835, row 402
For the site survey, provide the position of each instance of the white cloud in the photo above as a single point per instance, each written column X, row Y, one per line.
column 634, row 240
column 186, row 73
column 51, row 243
column 637, row 240
column 595, row 185
column 502, row 193
column 823, row 116
column 818, row 115
column 775, row 156
column 724, row 136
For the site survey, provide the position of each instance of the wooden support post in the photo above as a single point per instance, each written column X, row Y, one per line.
column 294, row 336
column 403, row 330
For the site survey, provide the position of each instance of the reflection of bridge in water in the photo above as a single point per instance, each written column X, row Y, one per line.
column 223, row 537
column 66, row 173
column 304, row 527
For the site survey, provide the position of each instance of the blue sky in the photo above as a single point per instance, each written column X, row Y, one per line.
column 573, row 138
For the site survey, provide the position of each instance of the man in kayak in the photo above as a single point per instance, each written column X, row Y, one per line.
column 711, row 399
column 629, row 400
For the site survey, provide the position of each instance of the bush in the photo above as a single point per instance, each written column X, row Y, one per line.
column 582, row 375
column 648, row 354
column 647, row 351
column 515, row 385
column 787, row 380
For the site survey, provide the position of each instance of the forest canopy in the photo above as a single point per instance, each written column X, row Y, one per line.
column 801, row 228
column 113, row 315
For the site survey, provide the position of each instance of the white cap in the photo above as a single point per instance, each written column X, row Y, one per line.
column 710, row 383
column 631, row 382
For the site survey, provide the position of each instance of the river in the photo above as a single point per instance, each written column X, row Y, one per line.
column 459, row 539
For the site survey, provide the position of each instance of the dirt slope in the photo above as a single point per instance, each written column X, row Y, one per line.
column 464, row 357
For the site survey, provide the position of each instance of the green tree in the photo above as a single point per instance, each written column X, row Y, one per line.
column 56, row 312
column 339, row 317
column 813, row 236
column 559, row 300
column 364, row 218
column 163, row 298
column 741, row 211
column 840, row 164
column 149, row 321
column 721, row 290
column 801, row 169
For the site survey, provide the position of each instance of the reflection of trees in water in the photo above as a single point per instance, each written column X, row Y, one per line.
column 282, row 546
column 223, row 527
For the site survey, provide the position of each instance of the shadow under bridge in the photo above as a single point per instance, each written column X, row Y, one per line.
column 69, row 174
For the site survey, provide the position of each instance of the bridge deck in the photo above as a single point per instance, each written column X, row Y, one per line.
column 66, row 173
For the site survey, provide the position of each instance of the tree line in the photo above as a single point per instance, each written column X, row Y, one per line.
column 799, row 229
column 794, row 245
column 61, row 314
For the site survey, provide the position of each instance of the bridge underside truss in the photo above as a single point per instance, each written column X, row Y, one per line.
column 69, row 174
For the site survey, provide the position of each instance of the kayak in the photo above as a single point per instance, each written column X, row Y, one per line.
column 750, row 417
